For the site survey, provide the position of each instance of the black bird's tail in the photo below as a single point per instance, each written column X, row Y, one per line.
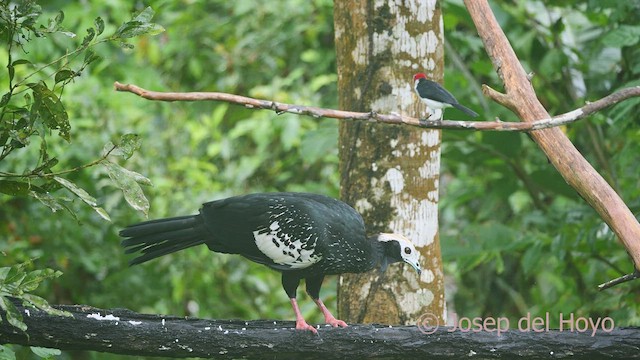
column 163, row 236
column 465, row 109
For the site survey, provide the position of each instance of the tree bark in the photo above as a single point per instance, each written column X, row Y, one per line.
column 122, row 331
column 390, row 173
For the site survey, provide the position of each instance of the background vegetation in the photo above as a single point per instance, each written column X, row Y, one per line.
column 516, row 239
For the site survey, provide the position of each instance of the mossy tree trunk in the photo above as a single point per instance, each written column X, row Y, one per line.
column 390, row 173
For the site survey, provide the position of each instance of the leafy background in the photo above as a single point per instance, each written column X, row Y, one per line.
column 516, row 239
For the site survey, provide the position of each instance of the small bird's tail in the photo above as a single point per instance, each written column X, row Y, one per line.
column 465, row 109
column 163, row 236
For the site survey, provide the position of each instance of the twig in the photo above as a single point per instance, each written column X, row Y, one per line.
column 62, row 172
column 317, row 112
column 620, row 280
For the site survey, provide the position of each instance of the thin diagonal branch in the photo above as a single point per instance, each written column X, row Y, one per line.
column 519, row 96
column 317, row 112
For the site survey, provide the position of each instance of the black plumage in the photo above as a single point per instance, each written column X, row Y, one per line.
column 436, row 96
column 304, row 236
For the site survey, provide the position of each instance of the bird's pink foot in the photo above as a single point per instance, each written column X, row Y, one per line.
column 328, row 317
column 301, row 324
column 335, row 322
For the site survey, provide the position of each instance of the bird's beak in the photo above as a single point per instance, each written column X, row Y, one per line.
column 416, row 266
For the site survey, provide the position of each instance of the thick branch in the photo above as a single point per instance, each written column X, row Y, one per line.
column 521, row 98
column 317, row 112
column 123, row 331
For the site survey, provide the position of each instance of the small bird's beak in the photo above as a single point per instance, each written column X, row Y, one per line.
column 416, row 266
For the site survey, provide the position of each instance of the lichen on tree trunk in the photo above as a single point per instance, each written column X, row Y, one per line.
column 390, row 173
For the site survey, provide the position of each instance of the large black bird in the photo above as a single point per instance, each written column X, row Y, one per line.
column 304, row 236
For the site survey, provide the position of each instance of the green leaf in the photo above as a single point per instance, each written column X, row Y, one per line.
column 45, row 353
column 5, row 99
column 21, row 62
column 129, row 144
column 82, row 194
column 90, row 56
column 49, row 108
column 12, row 314
column 51, row 202
column 99, row 24
column 624, row 35
column 531, row 258
column 129, row 182
column 87, row 39
column 33, row 279
column 103, row 213
column 43, row 305
column 14, row 188
column 5, row 352
column 13, row 278
column 63, row 75
column 139, row 25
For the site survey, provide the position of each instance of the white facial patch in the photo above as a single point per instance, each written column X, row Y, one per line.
column 408, row 252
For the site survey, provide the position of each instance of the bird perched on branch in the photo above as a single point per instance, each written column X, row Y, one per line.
column 304, row 236
column 435, row 96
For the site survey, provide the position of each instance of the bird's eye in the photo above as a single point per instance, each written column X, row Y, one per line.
column 407, row 250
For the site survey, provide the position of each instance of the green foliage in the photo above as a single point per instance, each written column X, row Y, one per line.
column 193, row 152
column 32, row 108
column 515, row 236
column 16, row 284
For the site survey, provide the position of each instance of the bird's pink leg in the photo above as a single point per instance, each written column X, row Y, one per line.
column 328, row 317
column 301, row 324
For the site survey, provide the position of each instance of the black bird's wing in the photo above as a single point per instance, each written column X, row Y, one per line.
column 432, row 90
column 274, row 229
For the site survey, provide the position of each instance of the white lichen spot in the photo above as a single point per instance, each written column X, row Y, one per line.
column 374, row 166
column 162, row 322
column 97, row 316
column 394, row 142
column 360, row 52
column 423, row 225
column 430, row 138
column 430, row 169
column 362, row 205
column 135, row 322
column 427, row 276
column 414, row 302
column 395, row 179
column 26, row 311
column 364, row 291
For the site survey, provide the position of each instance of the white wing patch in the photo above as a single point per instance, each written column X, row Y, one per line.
column 283, row 250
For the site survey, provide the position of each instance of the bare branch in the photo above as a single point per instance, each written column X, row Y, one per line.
column 317, row 112
column 520, row 96
column 622, row 279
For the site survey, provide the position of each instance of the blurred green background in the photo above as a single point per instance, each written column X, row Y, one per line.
column 515, row 238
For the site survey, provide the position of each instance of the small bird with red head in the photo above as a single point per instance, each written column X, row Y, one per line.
column 435, row 96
